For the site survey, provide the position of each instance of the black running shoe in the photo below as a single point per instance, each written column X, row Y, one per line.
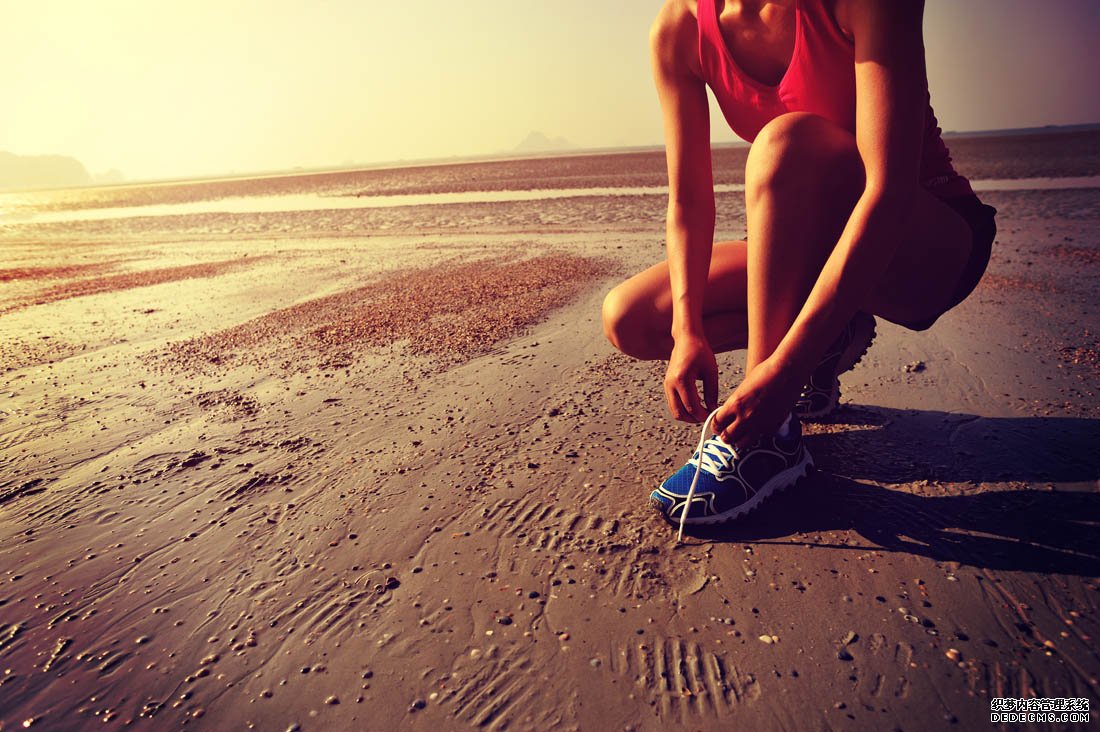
column 820, row 397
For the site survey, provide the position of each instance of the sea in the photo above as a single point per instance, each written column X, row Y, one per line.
column 574, row 191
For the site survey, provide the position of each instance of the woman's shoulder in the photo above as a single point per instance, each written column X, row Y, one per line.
column 674, row 35
column 844, row 13
column 676, row 7
column 675, row 18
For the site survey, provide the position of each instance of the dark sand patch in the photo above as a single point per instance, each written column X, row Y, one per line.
column 1086, row 353
column 131, row 280
column 18, row 353
column 1002, row 283
column 60, row 272
column 450, row 312
column 1076, row 255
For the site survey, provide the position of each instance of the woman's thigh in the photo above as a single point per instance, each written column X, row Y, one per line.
column 928, row 264
column 918, row 285
column 638, row 312
column 916, row 288
column 934, row 241
column 726, row 282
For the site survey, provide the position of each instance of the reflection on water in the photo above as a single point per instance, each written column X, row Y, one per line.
column 318, row 202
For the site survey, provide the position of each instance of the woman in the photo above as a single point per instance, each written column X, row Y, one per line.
column 852, row 209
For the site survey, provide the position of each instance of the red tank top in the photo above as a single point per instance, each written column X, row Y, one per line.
column 819, row 80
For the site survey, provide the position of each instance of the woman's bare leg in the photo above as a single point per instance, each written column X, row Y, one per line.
column 637, row 314
column 800, row 187
column 803, row 178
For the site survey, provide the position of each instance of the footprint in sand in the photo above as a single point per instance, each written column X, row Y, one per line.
column 683, row 680
column 618, row 563
column 888, row 668
column 497, row 689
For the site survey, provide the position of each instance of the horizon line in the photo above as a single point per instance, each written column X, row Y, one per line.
column 502, row 156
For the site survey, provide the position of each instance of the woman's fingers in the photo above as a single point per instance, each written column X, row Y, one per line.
column 675, row 408
column 723, row 424
column 689, row 394
column 710, row 389
column 691, row 361
column 679, row 402
column 731, row 433
column 721, row 420
column 731, row 426
column 683, row 401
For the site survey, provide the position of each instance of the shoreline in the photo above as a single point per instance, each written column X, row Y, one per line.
column 1044, row 155
column 300, row 203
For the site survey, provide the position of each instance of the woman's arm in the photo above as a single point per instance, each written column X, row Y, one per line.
column 890, row 108
column 690, row 223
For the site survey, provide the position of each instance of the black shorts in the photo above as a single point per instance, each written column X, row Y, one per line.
column 983, row 227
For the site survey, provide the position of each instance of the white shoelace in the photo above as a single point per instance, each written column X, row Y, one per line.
column 695, row 478
column 716, row 457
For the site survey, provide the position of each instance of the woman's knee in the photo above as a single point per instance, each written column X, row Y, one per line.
column 625, row 324
column 616, row 316
column 797, row 152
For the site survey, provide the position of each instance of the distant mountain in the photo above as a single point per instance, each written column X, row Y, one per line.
column 41, row 171
column 537, row 142
column 112, row 176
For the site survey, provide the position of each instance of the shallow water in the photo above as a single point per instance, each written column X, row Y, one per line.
column 317, row 202
column 998, row 162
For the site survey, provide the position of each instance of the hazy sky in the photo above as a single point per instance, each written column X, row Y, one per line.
column 211, row 86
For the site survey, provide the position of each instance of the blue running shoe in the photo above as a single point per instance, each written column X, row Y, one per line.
column 729, row 483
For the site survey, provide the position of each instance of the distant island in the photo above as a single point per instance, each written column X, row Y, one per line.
column 48, row 171
column 537, row 142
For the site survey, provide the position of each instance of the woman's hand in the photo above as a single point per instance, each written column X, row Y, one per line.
column 691, row 360
column 758, row 405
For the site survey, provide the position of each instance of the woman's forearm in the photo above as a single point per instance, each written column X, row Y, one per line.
column 690, row 237
column 857, row 263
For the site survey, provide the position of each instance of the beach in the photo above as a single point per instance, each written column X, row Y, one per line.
column 335, row 451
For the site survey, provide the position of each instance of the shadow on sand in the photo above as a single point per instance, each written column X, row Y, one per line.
column 1036, row 528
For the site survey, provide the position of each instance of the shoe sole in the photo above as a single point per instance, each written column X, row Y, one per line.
column 778, row 483
column 857, row 349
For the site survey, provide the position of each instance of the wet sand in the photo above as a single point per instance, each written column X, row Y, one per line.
column 241, row 487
